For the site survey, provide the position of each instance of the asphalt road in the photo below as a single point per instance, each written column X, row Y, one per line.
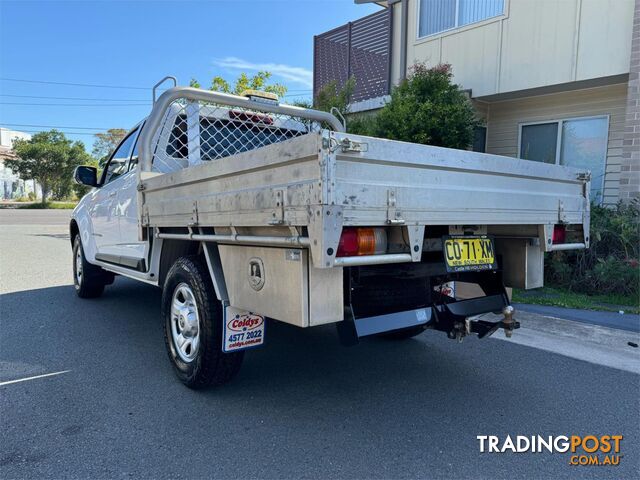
column 302, row 406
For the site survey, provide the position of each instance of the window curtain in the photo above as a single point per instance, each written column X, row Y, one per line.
column 470, row 11
column 439, row 15
column 436, row 16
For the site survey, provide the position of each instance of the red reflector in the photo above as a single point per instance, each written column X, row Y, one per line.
column 348, row 246
column 559, row 234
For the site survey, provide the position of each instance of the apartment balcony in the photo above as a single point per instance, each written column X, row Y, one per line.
column 359, row 49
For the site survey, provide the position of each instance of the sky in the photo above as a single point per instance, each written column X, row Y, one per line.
column 45, row 45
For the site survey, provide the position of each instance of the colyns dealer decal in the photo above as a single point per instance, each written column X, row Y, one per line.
column 583, row 450
column 242, row 329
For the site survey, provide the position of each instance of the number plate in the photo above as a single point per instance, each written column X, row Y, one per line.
column 468, row 253
column 242, row 330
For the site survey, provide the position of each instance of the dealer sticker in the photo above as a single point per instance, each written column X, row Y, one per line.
column 242, row 329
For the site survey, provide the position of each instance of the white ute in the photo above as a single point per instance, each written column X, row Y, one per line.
column 241, row 208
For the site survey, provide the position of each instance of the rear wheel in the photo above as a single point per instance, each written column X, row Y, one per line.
column 193, row 318
column 89, row 280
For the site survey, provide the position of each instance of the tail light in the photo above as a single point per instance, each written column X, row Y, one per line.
column 559, row 234
column 362, row 241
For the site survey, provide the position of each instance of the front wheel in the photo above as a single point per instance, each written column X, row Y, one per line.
column 193, row 317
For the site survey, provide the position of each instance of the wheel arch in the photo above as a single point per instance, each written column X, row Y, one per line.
column 74, row 230
column 172, row 250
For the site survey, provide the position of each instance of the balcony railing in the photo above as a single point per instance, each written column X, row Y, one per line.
column 360, row 49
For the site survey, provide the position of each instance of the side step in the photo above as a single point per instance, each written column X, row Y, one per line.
column 132, row 263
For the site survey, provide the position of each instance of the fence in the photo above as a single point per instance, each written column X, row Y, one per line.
column 360, row 49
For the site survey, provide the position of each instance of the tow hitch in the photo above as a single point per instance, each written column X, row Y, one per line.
column 366, row 315
column 509, row 324
column 454, row 318
column 486, row 329
column 440, row 318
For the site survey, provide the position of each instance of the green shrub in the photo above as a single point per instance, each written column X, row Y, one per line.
column 333, row 96
column 610, row 265
column 428, row 108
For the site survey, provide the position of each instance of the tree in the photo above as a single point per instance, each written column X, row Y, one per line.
column 106, row 143
column 259, row 81
column 49, row 158
column 428, row 108
column 331, row 96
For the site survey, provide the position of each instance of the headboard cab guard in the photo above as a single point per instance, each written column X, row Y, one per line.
column 189, row 125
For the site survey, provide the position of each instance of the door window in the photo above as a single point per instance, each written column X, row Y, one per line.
column 133, row 163
column 118, row 162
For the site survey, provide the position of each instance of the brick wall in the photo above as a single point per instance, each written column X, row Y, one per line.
column 630, row 171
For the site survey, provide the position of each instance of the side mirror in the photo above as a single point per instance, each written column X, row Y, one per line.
column 86, row 175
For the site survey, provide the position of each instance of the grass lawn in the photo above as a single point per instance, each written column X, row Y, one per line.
column 50, row 205
column 564, row 298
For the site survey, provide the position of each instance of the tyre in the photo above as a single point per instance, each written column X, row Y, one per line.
column 193, row 326
column 89, row 280
column 403, row 334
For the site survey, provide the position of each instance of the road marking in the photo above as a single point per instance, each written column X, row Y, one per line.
column 9, row 382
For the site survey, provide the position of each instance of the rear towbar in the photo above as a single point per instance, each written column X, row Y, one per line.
column 452, row 318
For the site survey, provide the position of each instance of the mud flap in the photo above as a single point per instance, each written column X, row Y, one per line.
column 242, row 330
column 351, row 329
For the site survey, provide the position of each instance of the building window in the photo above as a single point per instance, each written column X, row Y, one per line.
column 539, row 142
column 576, row 142
column 437, row 16
column 479, row 139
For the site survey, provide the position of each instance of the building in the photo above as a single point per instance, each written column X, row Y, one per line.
column 553, row 80
column 12, row 186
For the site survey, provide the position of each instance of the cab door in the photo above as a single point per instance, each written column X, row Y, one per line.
column 103, row 209
column 130, row 247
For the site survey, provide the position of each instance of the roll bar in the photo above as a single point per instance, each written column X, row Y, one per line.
column 165, row 100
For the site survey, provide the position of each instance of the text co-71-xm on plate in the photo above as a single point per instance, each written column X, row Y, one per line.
column 469, row 253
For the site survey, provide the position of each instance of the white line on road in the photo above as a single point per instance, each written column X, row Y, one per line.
column 9, row 382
